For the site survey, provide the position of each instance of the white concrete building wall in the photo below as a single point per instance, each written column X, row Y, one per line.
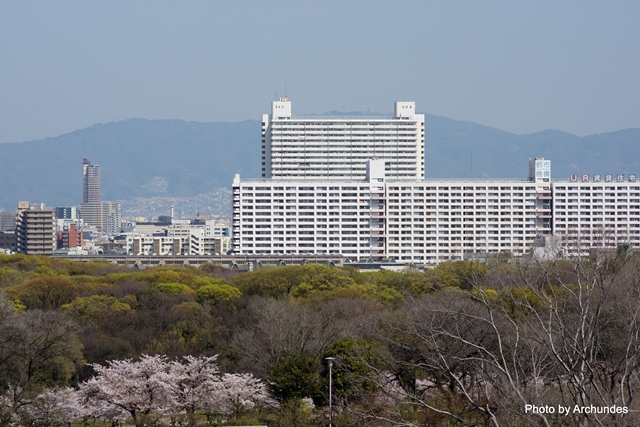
column 293, row 217
column 217, row 245
column 425, row 221
column 212, row 229
column 152, row 245
column 437, row 220
column 596, row 214
column 192, row 238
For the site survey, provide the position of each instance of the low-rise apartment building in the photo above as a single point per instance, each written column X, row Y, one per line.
column 179, row 240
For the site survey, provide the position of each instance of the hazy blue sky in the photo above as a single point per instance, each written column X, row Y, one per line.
column 517, row 66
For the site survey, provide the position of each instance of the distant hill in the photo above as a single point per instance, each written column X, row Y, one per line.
column 138, row 158
column 174, row 158
column 464, row 149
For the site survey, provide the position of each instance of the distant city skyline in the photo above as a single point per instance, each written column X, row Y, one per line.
column 520, row 67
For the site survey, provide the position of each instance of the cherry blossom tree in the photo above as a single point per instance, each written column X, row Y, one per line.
column 105, row 411
column 154, row 385
column 238, row 392
column 7, row 410
column 195, row 384
column 53, row 407
column 191, row 385
column 138, row 388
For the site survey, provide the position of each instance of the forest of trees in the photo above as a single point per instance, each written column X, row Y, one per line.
column 503, row 342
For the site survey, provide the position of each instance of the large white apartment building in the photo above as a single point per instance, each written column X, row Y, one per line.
column 356, row 187
column 598, row 211
column 418, row 221
column 322, row 147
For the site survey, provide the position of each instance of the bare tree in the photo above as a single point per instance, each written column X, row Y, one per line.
column 36, row 348
column 546, row 335
column 274, row 327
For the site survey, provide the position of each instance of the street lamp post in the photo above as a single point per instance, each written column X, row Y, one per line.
column 330, row 363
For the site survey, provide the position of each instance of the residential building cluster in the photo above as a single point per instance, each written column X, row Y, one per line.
column 329, row 187
column 183, row 240
column 96, row 227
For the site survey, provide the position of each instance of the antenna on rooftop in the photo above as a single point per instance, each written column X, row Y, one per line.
column 285, row 90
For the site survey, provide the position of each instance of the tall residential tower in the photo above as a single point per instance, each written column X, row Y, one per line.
column 323, row 147
column 90, row 182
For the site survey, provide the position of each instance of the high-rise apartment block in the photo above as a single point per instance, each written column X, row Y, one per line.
column 7, row 220
column 331, row 187
column 418, row 221
column 66, row 212
column 90, row 182
column 323, row 147
column 35, row 229
column 596, row 211
column 105, row 216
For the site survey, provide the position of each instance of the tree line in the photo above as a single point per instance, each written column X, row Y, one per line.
column 506, row 341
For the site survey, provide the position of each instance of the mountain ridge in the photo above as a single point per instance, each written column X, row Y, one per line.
column 176, row 158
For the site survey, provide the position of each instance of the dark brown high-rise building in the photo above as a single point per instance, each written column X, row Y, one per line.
column 90, row 182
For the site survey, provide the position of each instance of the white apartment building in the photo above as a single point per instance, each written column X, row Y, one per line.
column 597, row 211
column 192, row 238
column 211, row 228
column 355, row 187
column 418, row 221
column 321, row 147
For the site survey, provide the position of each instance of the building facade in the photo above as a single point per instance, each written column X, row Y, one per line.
column 433, row 220
column 67, row 212
column 596, row 212
column 182, row 241
column 8, row 241
column 90, row 182
column 418, row 221
column 70, row 236
column 105, row 216
column 323, row 147
column 211, row 228
column 355, row 187
column 35, row 229
column 7, row 220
